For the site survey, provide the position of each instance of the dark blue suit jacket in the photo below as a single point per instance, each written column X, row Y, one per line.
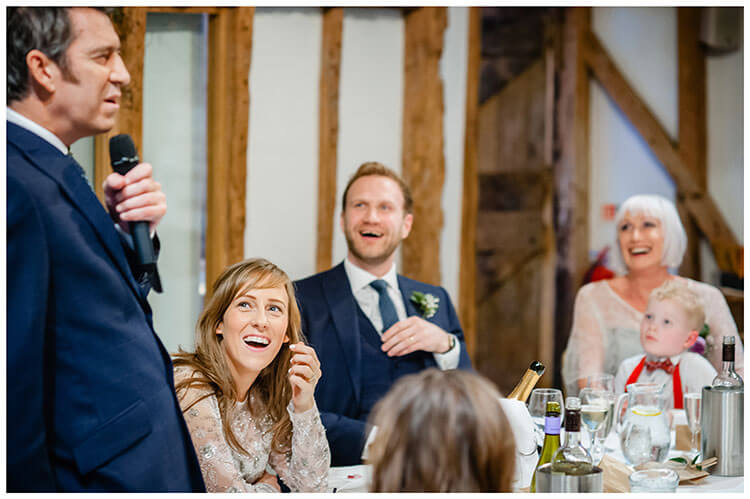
column 91, row 403
column 329, row 321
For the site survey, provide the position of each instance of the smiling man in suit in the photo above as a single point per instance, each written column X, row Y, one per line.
column 90, row 397
column 369, row 325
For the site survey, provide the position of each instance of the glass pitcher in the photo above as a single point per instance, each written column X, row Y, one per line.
column 642, row 423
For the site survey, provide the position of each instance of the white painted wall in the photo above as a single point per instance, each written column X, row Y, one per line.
column 370, row 99
column 643, row 43
column 453, row 67
column 282, row 170
column 174, row 141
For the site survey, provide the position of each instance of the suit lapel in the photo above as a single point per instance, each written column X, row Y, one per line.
column 406, row 290
column 68, row 174
column 343, row 306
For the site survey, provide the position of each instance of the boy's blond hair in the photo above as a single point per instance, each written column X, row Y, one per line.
column 691, row 303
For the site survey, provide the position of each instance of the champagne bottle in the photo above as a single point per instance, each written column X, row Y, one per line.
column 727, row 379
column 572, row 458
column 528, row 382
column 551, row 438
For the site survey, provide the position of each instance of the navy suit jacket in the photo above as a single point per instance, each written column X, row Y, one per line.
column 90, row 395
column 330, row 323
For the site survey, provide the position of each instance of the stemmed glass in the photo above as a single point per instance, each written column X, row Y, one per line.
column 538, row 408
column 692, row 402
column 606, row 382
column 595, row 409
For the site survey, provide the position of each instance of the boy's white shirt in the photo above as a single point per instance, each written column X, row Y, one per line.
column 695, row 373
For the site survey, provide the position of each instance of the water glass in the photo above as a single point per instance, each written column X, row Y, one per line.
column 538, row 408
column 654, row 480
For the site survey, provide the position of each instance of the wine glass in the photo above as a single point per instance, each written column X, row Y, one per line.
column 595, row 407
column 538, row 408
column 604, row 381
column 692, row 402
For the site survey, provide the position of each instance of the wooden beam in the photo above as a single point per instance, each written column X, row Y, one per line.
column 130, row 23
column 549, row 261
column 692, row 93
column 330, row 72
column 571, row 174
column 230, row 39
column 702, row 208
column 691, row 65
column 242, row 40
column 467, row 306
column 423, row 159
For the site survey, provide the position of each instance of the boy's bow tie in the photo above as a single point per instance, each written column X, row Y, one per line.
column 666, row 365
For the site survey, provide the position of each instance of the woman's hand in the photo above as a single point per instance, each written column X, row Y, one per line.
column 269, row 479
column 303, row 375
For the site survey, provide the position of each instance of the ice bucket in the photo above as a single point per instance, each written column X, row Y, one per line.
column 722, row 430
column 546, row 481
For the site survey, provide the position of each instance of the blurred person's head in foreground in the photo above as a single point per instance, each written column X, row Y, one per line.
column 441, row 431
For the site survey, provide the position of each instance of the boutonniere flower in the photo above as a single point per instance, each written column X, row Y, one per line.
column 425, row 302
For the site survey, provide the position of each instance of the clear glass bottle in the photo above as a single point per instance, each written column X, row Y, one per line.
column 551, row 438
column 727, row 379
column 572, row 458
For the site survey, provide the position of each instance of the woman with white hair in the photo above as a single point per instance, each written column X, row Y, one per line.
column 607, row 314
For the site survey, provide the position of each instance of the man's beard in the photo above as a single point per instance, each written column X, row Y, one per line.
column 373, row 260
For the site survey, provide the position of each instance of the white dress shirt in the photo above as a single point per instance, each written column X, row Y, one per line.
column 695, row 373
column 35, row 128
column 368, row 299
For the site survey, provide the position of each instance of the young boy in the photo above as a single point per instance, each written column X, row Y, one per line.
column 670, row 326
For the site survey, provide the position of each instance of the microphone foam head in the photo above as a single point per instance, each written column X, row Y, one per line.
column 122, row 153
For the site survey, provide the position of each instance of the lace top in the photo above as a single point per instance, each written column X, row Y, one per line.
column 304, row 469
column 606, row 331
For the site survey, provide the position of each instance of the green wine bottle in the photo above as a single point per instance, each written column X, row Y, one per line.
column 551, row 438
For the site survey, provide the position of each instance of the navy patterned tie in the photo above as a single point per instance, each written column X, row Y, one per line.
column 387, row 310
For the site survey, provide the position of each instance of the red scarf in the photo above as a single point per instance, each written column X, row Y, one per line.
column 676, row 381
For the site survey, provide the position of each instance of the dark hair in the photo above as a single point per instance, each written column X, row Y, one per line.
column 47, row 29
column 378, row 169
column 441, row 431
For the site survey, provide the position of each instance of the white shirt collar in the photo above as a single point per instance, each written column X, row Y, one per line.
column 674, row 358
column 35, row 128
column 360, row 278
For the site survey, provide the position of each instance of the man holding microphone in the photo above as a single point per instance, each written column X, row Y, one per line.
column 90, row 397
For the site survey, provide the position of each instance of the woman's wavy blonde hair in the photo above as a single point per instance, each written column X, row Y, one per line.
column 271, row 390
column 441, row 431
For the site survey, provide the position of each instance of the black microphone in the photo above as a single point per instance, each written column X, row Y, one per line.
column 124, row 157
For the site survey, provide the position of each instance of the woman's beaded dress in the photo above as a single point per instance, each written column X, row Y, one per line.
column 303, row 469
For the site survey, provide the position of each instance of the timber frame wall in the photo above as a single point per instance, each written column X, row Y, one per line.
column 229, row 48
column 581, row 54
